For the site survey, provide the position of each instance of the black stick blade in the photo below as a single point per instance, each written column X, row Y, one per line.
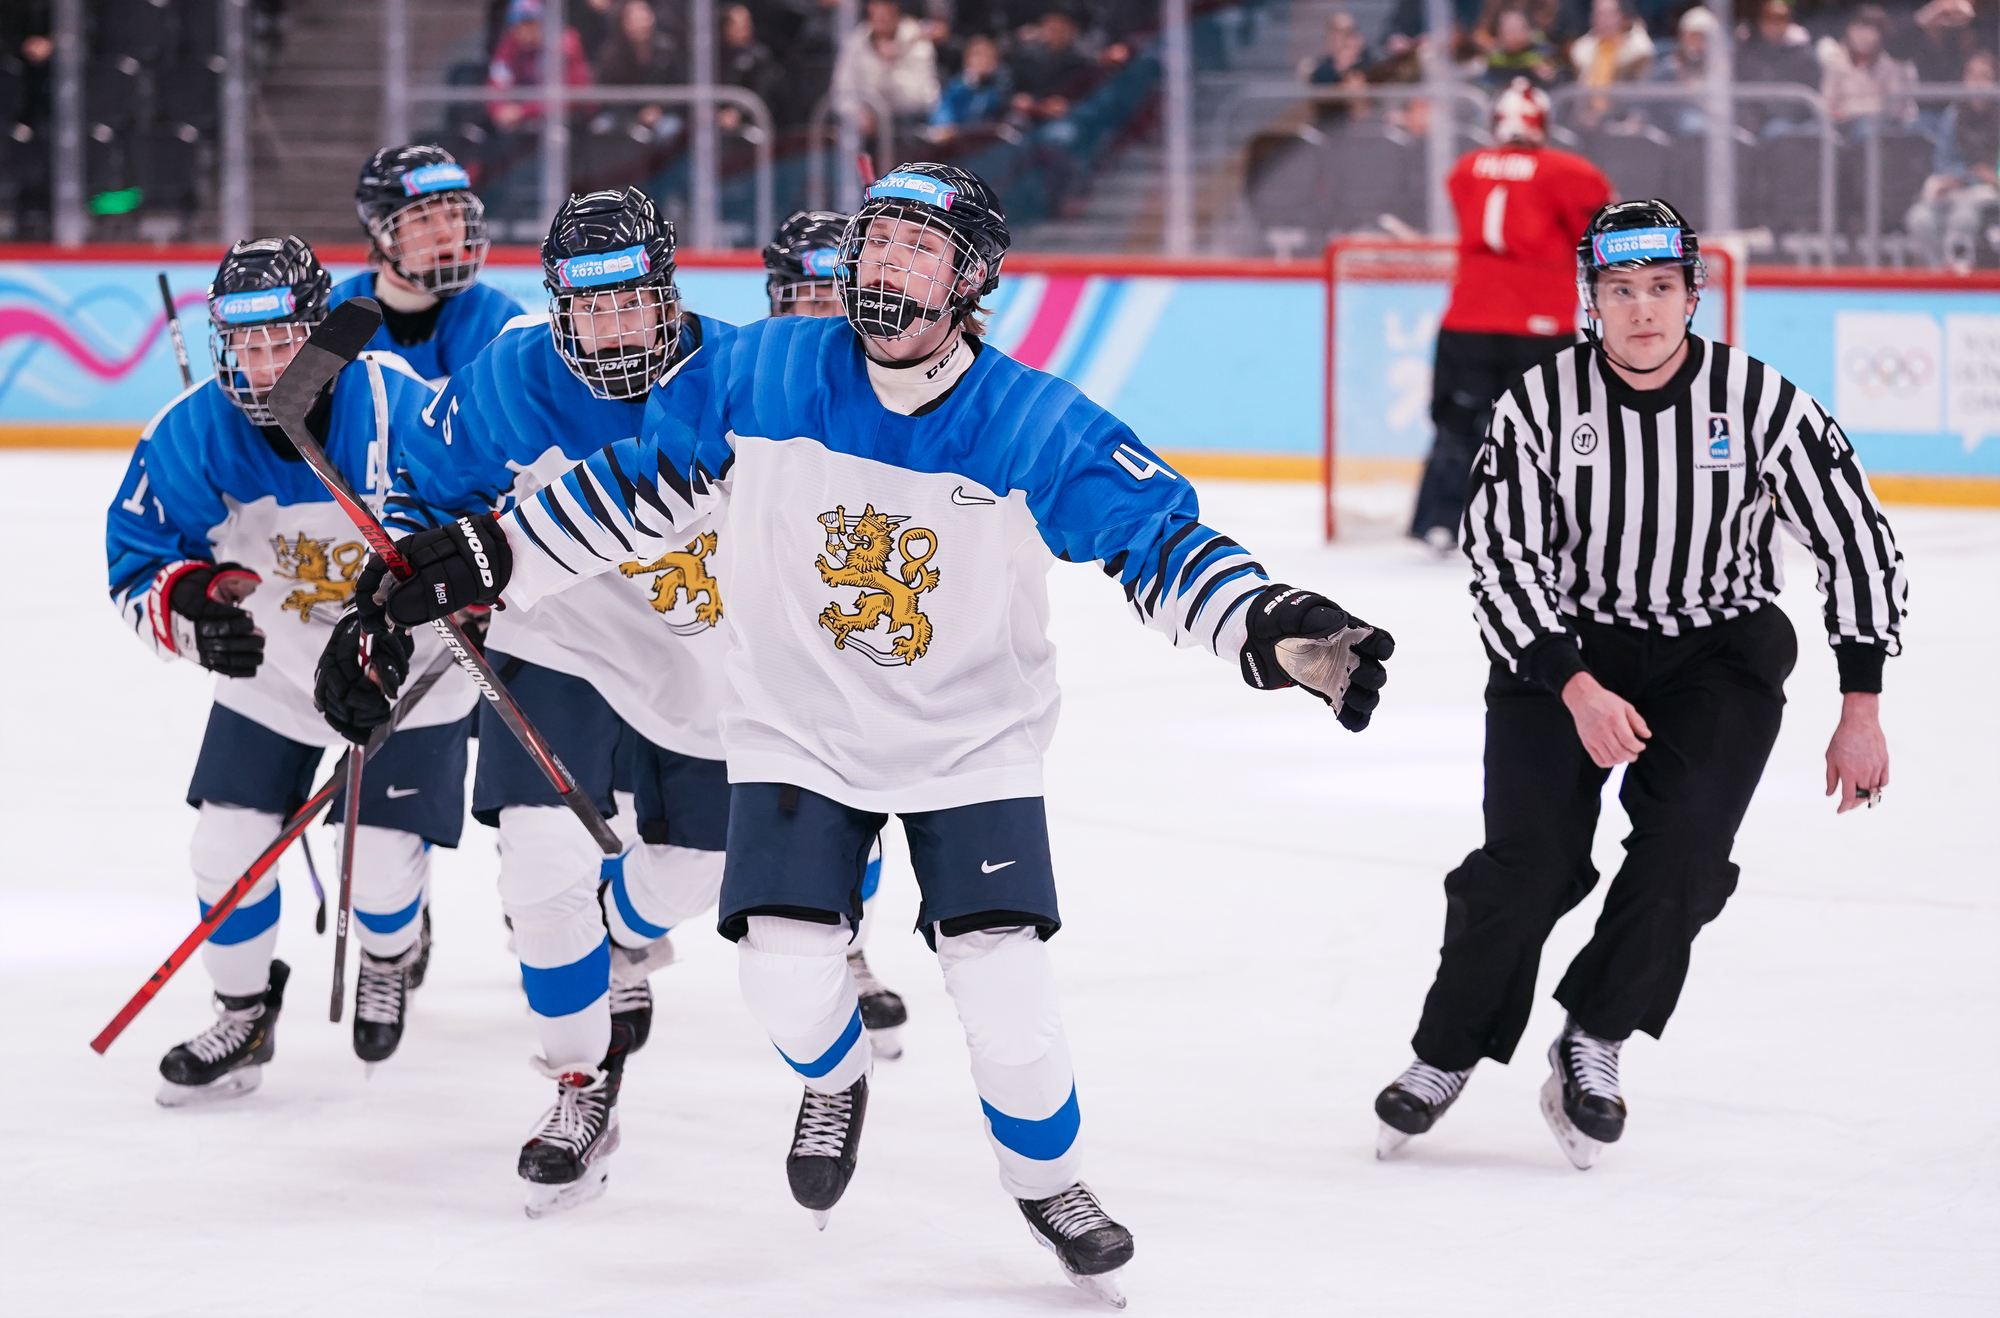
column 335, row 342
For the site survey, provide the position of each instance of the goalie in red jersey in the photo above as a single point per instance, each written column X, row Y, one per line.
column 1521, row 207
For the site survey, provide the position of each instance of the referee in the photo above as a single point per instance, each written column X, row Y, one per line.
column 1621, row 529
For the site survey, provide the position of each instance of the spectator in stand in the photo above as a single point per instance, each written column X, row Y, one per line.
column 978, row 96
column 747, row 63
column 1687, row 68
column 639, row 54
column 1051, row 74
column 1959, row 201
column 594, row 21
column 1341, row 64
column 887, row 60
column 1615, row 49
column 1937, row 41
column 1776, row 50
column 1863, row 84
column 517, row 62
column 1519, row 51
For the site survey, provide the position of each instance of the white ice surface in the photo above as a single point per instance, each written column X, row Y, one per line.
column 1253, row 906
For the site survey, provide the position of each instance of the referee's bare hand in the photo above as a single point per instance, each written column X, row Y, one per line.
column 1611, row 730
column 1857, row 759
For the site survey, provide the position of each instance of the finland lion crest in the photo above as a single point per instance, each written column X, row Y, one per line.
column 683, row 574
column 313, row 563
column 857, row 554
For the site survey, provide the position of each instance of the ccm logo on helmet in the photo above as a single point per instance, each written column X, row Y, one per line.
column 478, row 549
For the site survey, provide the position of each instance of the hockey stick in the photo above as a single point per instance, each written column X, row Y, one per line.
column 294, row 826
column 335, row 342
column 312, row 872
column 174, row 328
column 347, row 830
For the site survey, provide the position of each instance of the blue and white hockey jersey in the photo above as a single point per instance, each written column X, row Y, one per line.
column 889, row 617
column 205, row 486
column 649, row 638
column 465, row 325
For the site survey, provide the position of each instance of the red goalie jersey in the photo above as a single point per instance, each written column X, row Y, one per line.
column 1520, row 212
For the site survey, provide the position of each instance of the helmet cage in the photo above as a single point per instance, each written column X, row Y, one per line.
column 406, row 238
column 231, row 347
column 618, row 341
column 940, row 273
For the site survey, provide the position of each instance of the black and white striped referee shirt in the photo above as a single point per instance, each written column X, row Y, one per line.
column 1657, row 509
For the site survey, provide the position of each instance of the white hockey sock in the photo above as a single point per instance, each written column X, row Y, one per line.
column 548, row 887
column 1004, row 987
column 796, row 983
column 226, row 839
column 391, row 872
column 658, row 887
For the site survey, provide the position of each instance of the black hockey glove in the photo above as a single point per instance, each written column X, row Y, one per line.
column 208, row 627
column 1299, row 638
column 462, row 563
column 353, row 703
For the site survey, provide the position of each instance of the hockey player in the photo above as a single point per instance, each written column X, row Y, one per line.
column 1521, row 206
column 801, row 263
column 226, row 550
column 1621, row 533
column 427, row 242
column 627, row 665
column 896, row 491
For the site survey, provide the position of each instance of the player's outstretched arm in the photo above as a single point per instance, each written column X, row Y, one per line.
column 1297, row 638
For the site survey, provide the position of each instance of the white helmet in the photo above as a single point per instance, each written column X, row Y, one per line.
column 1521, row 114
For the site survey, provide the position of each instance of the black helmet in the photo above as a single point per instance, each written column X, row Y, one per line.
column 601, row 244
column 1627, row 235
column 803, row 259
column 942, row 198
column 402, row 184
column 268, row 293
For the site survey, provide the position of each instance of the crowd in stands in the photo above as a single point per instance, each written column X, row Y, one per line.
column 1871, row 66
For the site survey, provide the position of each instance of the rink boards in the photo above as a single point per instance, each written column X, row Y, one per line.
column 1198, row 358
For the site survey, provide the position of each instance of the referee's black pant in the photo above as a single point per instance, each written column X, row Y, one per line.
column 1713, row 698
column 1468, row 375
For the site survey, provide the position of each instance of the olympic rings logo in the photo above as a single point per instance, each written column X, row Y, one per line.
column 1889, row 372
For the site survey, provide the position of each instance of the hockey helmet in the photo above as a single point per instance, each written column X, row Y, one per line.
column 802, row 262
column 1521, row 115
column 1629, row 235
column 948, row 216
column 417, row 204
column 267, row 296
column 614, row 312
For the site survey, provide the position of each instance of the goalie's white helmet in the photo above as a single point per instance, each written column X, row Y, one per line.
column 1521, row 115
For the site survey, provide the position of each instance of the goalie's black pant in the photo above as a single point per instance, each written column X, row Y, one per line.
column 1470, row 372
column 1713, row 698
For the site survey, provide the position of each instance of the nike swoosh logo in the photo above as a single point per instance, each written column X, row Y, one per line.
column 964, row 500
column 398, row 793
column 986, row 867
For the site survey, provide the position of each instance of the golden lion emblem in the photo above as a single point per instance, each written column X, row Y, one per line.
column 683, row 575
column 314, row 563
column 857, row 554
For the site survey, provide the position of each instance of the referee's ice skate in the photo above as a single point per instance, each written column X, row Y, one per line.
column 1580, row 1099
column 1412, row 1103
column 227, row 1059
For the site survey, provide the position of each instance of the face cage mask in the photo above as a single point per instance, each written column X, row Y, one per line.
column 622, row 364
column 407, row 240
column 787, row 299
column 1586, row 292
column 230, row 375
column 933, row 285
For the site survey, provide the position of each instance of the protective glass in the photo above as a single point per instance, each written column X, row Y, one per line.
column 437, row 243
column 901, row 270
column 250, row 358
column 618, row 341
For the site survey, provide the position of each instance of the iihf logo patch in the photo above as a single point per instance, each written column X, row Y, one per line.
column 1584, row 440
column 1718, row 438
column 1720, row 452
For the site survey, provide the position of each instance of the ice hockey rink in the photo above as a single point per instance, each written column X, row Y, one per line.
column 1252, row 903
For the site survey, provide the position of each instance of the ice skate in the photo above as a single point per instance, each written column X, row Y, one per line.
column 227, row 1059
column 1090, row 1246
column 1413, row 1102
column 825, row 1141
column 382, row 1001
column 882, row 1010
column 565, row 1161
column 1580, row 1100
column 631, row 994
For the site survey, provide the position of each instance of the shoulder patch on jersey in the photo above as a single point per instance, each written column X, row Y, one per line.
column 683, row 574
column 858, row 554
